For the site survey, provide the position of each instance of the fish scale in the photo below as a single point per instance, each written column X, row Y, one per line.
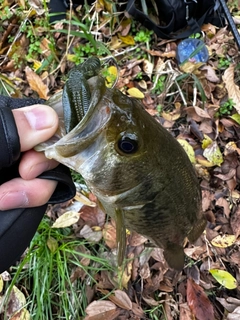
column 139, row 172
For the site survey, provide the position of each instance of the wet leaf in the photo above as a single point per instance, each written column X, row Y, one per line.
column 198, row 301
column 135, row 93
column 232, row 88
column 67, row 219
column 224, row 278
column 223, row 241
column 188, row 148
column 36, row 83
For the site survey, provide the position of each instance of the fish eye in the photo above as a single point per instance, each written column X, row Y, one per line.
column 128, row 143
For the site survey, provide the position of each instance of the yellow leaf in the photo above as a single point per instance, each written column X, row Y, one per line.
column 188, row 149
column 204, row 162
column 67, row 219
column 236, row 117
column 115, row 43
column 127, row 39
column 213, row 154
column 1, row 284
column 232, row 88
column 223, row 241
column 224, row 278
column 206, row 141
column 36, row 83
column 36, row 64
column 135, row 93
column 112, row 74
column 191, row 67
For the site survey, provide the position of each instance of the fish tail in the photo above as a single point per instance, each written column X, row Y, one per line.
column 174, row 256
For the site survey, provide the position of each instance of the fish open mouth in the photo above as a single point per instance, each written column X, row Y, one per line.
column 93, row 122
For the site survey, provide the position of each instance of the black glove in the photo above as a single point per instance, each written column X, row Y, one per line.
column 18, row 226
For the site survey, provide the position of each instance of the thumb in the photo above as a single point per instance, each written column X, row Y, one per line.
column 35, row 124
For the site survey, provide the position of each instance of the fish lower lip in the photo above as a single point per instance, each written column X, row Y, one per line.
column 84, row 133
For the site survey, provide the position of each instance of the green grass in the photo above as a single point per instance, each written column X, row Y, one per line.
column 48, row 272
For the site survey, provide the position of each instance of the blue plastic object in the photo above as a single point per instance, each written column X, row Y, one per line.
column 186, row 48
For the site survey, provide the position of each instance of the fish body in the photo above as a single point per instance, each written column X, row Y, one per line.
column 136, row 168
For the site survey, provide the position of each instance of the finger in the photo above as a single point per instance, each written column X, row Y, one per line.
column 34, row 163
column 19, row 193
column 35, row 124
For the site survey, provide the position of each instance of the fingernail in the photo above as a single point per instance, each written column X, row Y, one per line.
column 13, row 200
column 39, row 119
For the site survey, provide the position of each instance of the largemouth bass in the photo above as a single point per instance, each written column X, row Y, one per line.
column 138, row 171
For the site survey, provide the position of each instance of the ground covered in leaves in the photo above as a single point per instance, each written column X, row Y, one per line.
column 198, row 104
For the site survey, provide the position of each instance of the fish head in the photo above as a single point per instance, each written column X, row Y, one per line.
column 109, row 145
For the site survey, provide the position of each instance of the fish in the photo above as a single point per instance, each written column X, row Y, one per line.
column 138, row 171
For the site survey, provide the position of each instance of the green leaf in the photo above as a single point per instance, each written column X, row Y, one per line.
column 236, row 117
column 224, row 278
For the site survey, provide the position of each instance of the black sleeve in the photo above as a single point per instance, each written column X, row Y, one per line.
column 18, row 226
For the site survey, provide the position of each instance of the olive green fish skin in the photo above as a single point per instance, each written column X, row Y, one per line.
column 155, row 186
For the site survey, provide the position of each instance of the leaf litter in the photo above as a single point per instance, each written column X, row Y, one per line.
column 194, row 104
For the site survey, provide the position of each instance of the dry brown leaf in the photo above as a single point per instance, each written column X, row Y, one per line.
column 232, row 88
column 199, row 302
column 36, row 83
column 185, row 313
column 109, row 235
column 121, row 299
column 100, row 306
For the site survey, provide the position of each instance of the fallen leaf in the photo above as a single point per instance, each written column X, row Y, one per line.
column 52, row 244
column 148, row 67
column 84, row 200
column 188, row 149
column 90, row 235
column 109, row 235
column 236, row 117
column 232, row 88
column 36, row 83
column 112, row 74
column 223, row 241
column 129, row 40
column 135, row 93
column 224, row 278
column 98, row 307
column 198, row 301
column 213, row 154
column 21, row 315
column 121, row 299
column 67, row 219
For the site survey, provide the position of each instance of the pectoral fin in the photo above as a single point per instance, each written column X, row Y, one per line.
column 121, row 235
